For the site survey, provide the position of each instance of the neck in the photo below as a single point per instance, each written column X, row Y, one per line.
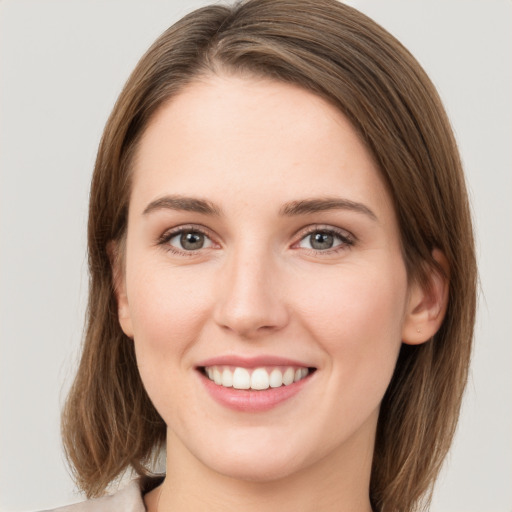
column 338, row 482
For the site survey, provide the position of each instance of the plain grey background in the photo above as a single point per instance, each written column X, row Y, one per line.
column 62, row 65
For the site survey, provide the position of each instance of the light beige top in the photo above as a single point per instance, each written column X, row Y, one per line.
column 128, row 499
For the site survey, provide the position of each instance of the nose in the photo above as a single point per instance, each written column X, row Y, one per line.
column 250, row 298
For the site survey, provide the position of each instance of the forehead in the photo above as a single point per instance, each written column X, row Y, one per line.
column 227, row 136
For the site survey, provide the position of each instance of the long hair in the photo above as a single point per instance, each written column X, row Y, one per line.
column 334, row 51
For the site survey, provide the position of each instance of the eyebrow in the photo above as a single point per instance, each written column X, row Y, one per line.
column 290, row 209
column 315, row 205
column 182, row 203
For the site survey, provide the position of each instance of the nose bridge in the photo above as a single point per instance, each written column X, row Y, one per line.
column 249, row 302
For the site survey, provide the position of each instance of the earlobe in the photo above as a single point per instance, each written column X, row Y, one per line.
column 427, row 304
column 115, row 251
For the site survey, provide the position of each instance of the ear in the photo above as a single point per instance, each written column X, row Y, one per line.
column 427, row 303
column 116, row 255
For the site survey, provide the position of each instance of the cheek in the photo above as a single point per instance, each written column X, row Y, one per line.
column 356, row 317
column 167, row 310
column 355, row 301
column 166, row 304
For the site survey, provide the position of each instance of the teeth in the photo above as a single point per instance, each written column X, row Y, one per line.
column 288, row 376
column 227, row 378
column 300, row 373
column 257, row 379
column 241, row 379
column 260, row 379
column 276, row 378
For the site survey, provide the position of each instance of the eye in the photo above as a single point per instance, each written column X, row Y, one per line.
column 325, row 240
column 188, row 240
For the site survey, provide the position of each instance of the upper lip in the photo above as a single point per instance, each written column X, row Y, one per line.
column 251, row 362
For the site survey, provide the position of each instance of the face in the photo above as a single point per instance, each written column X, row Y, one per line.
column 263, row 286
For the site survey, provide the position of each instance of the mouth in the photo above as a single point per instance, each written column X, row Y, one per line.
column 255, row 379
column 254, row 384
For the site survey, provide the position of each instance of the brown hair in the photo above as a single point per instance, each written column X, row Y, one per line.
column 109, row 423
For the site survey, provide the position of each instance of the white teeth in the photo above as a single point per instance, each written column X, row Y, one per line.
column 300, row 373
column 276, row 378
column 260, row 379
column 257, row 379
column 288, row 376
column 227, row 378
column 241, row 379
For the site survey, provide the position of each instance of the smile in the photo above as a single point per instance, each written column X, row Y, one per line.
column 254, row 384
column 257, row 379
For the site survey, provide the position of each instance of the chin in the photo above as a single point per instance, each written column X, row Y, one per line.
column 257, row 471
column 256, row 459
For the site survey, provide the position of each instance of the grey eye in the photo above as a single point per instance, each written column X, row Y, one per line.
column 190, row 241
column 321, row 240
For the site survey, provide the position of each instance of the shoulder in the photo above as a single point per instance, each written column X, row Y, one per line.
column 128, row 499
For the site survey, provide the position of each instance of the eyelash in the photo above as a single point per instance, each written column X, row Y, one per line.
column 347, row 240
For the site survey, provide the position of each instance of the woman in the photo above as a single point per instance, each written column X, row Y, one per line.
column 282, row 271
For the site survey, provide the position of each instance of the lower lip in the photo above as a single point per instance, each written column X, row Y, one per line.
column 251, row 400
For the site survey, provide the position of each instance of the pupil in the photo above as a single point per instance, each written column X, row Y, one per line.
column 321, row 241
column 192, row 241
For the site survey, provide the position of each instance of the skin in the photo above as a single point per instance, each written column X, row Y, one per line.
column 250, row 146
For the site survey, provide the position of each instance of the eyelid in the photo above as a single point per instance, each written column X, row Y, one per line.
column 168, row 233
column 343, row 233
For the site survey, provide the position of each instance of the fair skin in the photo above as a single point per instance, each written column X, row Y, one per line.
column 261, row 232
